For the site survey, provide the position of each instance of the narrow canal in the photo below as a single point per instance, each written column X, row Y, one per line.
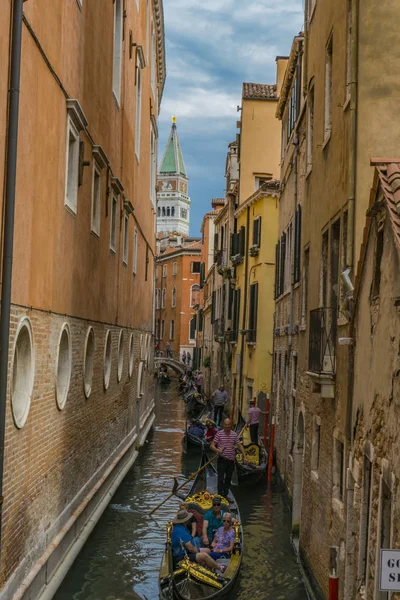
column 122, row 557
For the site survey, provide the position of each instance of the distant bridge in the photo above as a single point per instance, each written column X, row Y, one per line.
column 175, row 365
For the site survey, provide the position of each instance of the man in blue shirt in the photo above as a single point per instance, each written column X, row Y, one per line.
column 212, row 521
column 182, row 543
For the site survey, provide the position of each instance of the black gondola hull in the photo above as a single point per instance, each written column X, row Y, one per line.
column 171, row 588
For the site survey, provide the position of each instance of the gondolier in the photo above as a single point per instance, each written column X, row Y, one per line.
column 253, row 420
column 220, row 398
column 224, row 444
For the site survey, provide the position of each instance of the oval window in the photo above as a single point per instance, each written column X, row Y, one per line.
column 88, row 362
column 107, row 360
column 22, row 373
column 64, row 366
column 120, row 355
column 131, row 356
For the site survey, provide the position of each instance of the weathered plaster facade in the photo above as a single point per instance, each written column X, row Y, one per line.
column 177, row 295
column 342, row 115
column 83, row 263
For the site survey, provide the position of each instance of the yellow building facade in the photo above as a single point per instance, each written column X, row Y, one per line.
column 253, row 243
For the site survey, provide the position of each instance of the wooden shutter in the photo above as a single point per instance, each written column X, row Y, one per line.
column 200, row 320
column 283, row 258
column 277, row 267
column 230, row 302
column 253, row 311
column 242, row 240
column 212, row 308
column 297, row 265
column 202, row 274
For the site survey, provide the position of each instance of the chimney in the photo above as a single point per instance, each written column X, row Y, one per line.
column 281, row 64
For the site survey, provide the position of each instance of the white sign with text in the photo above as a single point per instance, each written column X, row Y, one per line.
column 390, row 571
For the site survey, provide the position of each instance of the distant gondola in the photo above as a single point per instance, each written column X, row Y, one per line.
column 195, row 441
column 188, row 580
column 257, row 457
column 164, row 377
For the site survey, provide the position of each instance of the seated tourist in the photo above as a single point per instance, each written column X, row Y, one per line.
column 224, row 539
column 210, row 431
column 196, row 429
column 183, row 543
column 212, row 521
column 195, row 525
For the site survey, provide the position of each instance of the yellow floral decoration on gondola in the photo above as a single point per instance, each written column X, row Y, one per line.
column 252, row 454
column 204, row 500
column 197, row 572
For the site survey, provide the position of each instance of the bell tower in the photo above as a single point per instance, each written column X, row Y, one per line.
column 173, row 202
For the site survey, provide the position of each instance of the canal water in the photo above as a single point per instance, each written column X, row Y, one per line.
column 122, row 557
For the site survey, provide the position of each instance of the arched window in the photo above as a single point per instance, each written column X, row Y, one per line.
column 168, row 212
column 173, row 297
column 163, row 211
column 194, row 294
column 172, row 211
column 158, row 212
column 192, row 329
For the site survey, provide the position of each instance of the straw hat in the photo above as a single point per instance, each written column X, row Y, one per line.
column 182, row 516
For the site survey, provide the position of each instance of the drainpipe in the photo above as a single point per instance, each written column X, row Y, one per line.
column 296, row 176
column 352, row 189
column 305, row 71
column 352, row 135
column 246, row 264
column 8, row 227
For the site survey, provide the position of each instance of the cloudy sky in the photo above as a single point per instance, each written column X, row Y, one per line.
column 212, row 47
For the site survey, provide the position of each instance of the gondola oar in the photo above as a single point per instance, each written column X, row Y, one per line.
column 183, row 484
column 184, row 445
column 235, row 476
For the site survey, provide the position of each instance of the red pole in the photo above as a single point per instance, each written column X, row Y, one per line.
column 266, row 420
column 333, row 588
column 271, row 449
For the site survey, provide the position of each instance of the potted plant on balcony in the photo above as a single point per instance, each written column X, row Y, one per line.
column 254, row 250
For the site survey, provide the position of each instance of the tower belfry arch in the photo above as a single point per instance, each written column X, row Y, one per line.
column 173, row 201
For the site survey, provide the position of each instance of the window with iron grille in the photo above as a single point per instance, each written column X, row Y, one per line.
column 297, row 245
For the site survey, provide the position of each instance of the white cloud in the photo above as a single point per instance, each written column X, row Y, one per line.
column 212, row 47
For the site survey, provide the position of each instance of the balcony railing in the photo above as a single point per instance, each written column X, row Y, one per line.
column 251, row 336
column 221, row 258
column 322, row 343
column 218, row 327
column 232, row 335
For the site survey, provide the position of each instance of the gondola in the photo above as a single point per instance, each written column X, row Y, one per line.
column 194, row 441
column 190, row 581
column 164, row 377
column 257, row 458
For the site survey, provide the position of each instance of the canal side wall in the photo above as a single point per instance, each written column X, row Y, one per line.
column 63, row 466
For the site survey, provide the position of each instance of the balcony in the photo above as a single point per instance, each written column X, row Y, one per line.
column 221, row 258
column 218, row 328
column 232, row 336
column 322, row 349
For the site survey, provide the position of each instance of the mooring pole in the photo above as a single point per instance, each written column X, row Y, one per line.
column 271, row 450
column 266, row 421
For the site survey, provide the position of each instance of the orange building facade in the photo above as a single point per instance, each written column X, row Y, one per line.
column 81, row 391
column 177, row 295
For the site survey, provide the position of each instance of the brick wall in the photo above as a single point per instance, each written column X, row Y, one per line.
column 58, row 456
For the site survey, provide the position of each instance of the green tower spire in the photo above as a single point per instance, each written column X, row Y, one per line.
column 172, row 160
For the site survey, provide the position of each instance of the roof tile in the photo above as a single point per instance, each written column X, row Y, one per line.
column 259, row 91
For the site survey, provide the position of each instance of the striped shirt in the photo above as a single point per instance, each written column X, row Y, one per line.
column 254, row 415
column 227, row 442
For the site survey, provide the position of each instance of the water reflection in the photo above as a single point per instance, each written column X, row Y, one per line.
column 123, row 555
